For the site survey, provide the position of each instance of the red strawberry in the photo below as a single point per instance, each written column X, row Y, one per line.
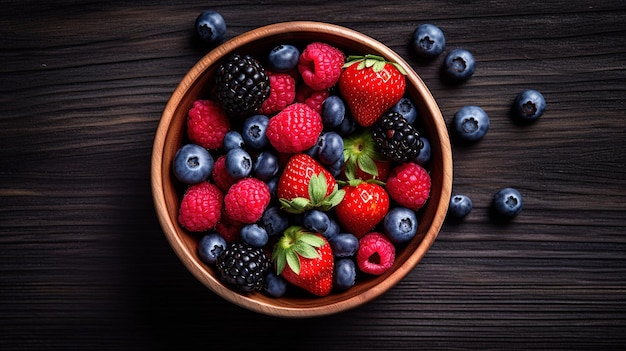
column 409, row 185
column 207, row 123
column 201, row 207
column 294, row 129
column 305, row 259
column 370, row 86
column 364, row 205
column 362, row 160
column 282, row 93
column 306, row 184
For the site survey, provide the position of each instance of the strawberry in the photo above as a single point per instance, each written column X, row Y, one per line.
column 370, row 86
column 305, row 184
column 362, row 160
column 305, row 259
column 364, row 205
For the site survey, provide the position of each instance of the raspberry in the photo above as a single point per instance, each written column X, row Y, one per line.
column 246, row 200
column 409, row 185
column 228, row 228
column 201, row 207
column 376, row 253
column 313, row 98
column 207, row 124
column 294, row 129
column 320, row 65
column 282, row 93
column 220, row 176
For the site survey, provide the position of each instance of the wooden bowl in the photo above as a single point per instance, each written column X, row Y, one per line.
column 170, row 136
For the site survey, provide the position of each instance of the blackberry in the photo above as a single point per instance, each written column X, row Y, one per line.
column 396, row 138
column 243, row 265
column 241, row 85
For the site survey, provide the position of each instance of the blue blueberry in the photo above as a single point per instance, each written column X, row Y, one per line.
column 425, row 152
column 428, row 41
column 344, row 275
column 470, row 123
column 275, row 285
column 284, row 58
column 316, row 220
column 210, row 247
column 266, row 165
column 254, row 234
column 406, row 108
column 333, row 229
column 336, row 168
column 400, row 224
column 330, row 148
column 529, row 105
column 459, row 65
column 192, row 164
column 344, row 245
column 233, row 140
column 333, row 111
column 211, row 26
column 275, row 221
column 347, row 126
column 508, row 202
column 273, row 185
column 238, row 163
column 254, row 129
column 460, row 206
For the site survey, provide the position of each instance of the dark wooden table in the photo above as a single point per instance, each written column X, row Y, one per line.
column 84, row 264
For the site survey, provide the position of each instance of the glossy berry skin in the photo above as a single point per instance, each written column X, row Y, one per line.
column 460, row 206
column 470, row 123
column 274, row 221
column 529, row 105
column 347, row 126
column 459, row 65
column 233, row 140
column 254, row 235
column 317, row 221
column 266, row 165
column 333, row 111
column 238, row 163
column 211, row 26
column 407, row 109
column 283, row 58
column 275, row 285
column 508, row 202
column 400, row 224
column 362, row 208
column 210, row 247
column 254, row 129
column 428, row 41
column 344, row 245
column 332, row 230
column 192, row 164
column 330, row 148
column 344, row 274
column 423, row 156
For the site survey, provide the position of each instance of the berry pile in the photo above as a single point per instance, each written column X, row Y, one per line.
column 304, row 169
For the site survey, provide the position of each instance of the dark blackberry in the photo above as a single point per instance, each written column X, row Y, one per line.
column 243, row 265
column 397, row 139
column 241, row 85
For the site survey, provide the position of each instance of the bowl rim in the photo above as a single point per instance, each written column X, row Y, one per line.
column 183, row 252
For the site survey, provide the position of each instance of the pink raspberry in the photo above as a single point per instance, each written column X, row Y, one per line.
column 294, row 129
column 320, row 65
column 246, row 200
column 229, row 229
column 282, row 93
column 201, row 207
column 376, row 253
column 409, row 185
column 313, row 98
column 207, row 123
column 220, row 176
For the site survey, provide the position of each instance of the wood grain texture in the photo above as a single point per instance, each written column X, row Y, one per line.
column 84, row 263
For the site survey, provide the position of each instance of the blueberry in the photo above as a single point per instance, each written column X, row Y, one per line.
column 406, row 108
column 233, row 140
column 275, row 221
column 333, row 111
column 331, row 148
column 266, row 165
column 275, row 285
column 425, row 152
column 211, row 26
column 254, row 129
column 210, row 247
column 254, row 234
column 344, row 245
column 273, row 185
column 336, row 168
column 238, row 163
column 459, row 65
column 529, row 105
column 284, row 58
column 400, row 224
column 316, row 220
column 460, row 206
column 344, row 275
column 333, row 229
column 508, row 202
column 428, row 41
column 192, row 164
column 347, row 126
column 470, row 123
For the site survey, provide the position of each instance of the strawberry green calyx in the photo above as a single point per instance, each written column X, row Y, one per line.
column 317, row 197
column 360, row 151
column 377, row 63
column 296, row 242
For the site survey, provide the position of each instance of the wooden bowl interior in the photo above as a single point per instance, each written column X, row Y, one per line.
column 170, row 136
